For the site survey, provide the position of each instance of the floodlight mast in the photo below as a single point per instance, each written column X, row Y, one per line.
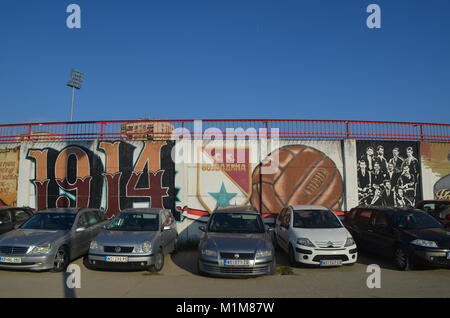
column 76, row 79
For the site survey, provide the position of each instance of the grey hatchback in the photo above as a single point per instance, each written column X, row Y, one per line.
column 135, row 239
column 50, row 239
column 236, row 243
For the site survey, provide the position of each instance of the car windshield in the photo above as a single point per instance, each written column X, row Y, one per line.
column 316, row 219
column 415, row 220
column 236, row 223
column 134, row 222
column 50, row 221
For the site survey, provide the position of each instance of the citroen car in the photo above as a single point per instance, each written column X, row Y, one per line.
column 137, row 238
column 235, row 242
column 50, row 239
column 314, row 235
column 408, row 236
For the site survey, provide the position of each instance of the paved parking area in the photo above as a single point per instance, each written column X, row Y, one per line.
column 179, row 279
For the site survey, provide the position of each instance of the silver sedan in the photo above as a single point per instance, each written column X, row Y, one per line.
column 236, row 243
column 135, row 239
column 50, row 239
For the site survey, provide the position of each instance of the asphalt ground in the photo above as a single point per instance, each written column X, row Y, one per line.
column 179, row 278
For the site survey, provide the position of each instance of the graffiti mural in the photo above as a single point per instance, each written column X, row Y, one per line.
column 436, row 156
column 9, row 172
column 388, row 173
column 305, row 175
column 112, row 175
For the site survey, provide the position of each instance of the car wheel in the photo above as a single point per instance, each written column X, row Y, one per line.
column 175, row 246
column 402, row 259
column 61, row 260
column 292, row 260
column 159, row 262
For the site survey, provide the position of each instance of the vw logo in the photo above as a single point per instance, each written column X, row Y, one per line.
column 117, row 249
column 236, row 255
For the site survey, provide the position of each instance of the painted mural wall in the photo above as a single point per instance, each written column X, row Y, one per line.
column 112, row 175
column 389, row 173
column 436, row 159
column 9, row 173
column 115, row 175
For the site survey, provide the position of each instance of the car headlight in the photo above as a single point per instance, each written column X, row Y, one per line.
column 95, row 246
column 350, row 241
column 145, row 247
column 264, row 253
column 41, row 249
column 424, row 243
column 305, row 242
column 209, row 252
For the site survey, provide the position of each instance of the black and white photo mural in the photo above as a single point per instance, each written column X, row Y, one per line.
column 388, row 173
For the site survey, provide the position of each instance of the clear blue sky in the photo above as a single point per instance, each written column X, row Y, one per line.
column 176, row 59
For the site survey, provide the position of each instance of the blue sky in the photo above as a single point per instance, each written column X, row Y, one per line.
column 193, row 59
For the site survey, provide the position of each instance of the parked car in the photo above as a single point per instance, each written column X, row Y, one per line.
column 235, row 242
column 50, row 239
column 406, row 235
column 11, row 217
column 439, row 209
column 314, row 235
column 135, row 238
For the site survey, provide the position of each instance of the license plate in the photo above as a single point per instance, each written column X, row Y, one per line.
column 331, row 262
column 15, row 260
column 236, row 262
column 117, row 259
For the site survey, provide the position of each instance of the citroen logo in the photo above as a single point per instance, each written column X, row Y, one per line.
column 330, row 244
column 236, row 255
column 117, row 249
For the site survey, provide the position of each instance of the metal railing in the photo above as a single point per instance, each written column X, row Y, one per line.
column 250, row 128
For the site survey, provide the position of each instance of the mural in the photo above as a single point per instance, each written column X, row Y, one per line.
column 9, row 172
column 436, row 156
column 388, row 173
column 112, row 175
column 306, row 175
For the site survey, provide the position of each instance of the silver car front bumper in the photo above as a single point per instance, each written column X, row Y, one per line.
column 33, row 263
column 134, row 261
column 263, row 266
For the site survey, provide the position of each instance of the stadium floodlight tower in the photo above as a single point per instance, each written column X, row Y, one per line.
column 76, row 79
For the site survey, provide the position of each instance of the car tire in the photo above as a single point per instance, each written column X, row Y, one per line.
column 175, row 246
column 159, row 262
column 61, row 260
column 292, row 260
column 402, row 259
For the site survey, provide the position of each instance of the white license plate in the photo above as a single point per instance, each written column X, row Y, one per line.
column 331, row 262
column 236, row 262
column 116, row 259
column 15, row 260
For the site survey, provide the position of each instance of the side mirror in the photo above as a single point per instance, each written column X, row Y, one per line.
column 80, row 229
column 202, row 228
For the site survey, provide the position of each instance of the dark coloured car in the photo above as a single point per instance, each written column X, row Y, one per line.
column 439, row 209
column 408, row 236
column 236, row 243
column 11, row 217
column 50, row 239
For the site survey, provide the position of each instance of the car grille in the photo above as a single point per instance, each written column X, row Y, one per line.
column 326, row 244
column 13, row 250
column 241, row 255
column 123, row 249
column 237, row 270
column 319, row 258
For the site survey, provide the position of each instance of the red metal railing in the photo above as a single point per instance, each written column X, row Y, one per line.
column 221, row 128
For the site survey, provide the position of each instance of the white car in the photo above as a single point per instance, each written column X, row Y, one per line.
column 314, row 235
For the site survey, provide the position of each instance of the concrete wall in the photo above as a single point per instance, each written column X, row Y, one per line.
column 114, row 175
